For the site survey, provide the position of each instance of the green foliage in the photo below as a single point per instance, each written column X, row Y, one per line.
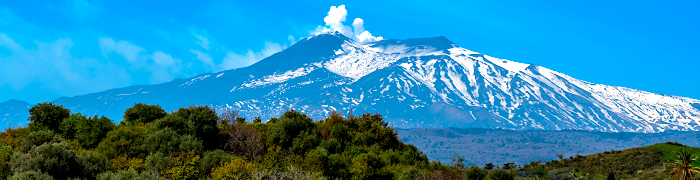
column 183, row 166
column 410, row 174
column 124, row 140
column 177, row 124
column 157, row 162
column 474, row 173
column 167, row 141
column 6, row 153
column 500, row 174
column 212, row 159
column 289, row 126
column 122, row 162
column 56, row 159
column 93, row 163
column 128, row 174
column 236, row 168
column 68, row 126
column 204, row 121
column 670, row 150
column 143, row 113
column 684, row 169
column 90, row 132
column 31, row 175
column 37, row 138
column 47, row 116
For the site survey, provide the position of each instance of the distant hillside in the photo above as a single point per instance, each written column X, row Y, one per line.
column 649, row 162
column 14, row 113
column 481, row 146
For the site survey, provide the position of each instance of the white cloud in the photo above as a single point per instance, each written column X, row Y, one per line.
column 50, row 65
column 334, row 22
column 203, row 41
column 204, row 58
column 235, row 60
column 162, row 66
column 129, row 51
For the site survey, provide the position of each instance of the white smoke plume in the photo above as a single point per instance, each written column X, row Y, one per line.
column 334, row 22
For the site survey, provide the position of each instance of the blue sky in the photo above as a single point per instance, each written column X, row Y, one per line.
column 50, row 49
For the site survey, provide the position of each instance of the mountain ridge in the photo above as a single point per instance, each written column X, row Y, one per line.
column 420, row 82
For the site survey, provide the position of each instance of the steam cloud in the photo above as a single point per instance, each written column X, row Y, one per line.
column 334, row 22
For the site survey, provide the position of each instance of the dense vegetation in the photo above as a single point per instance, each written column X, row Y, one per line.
column 198, row 143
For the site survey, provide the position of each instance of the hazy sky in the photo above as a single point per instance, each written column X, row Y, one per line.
column 50, row 49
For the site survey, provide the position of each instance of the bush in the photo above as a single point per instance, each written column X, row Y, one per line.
column 6, row 153
column 474, row 173
column 143, row 113
column 47, row 116
column 176, row 123
column 31, row 175
column 500, row 174
column 128, row 174
column 237, row 168
column 55, row 159
column 69, row 125
column 122, row 162
column 89, row 132
column 93, row 164
column 157, row 162
column 183, row 166
column 204, row 121
column 167, row 141
column 38, row 138
column 289, row 126
column 124, row 140
column 410, row 174
column 212, row 159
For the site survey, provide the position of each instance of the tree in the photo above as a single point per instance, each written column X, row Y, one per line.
column 204, row 121
column 124, row 140
column 236, row 168
column 89, row 132
column 488, row 166
column 183, row 166
column 38, row 138
column 31, row 175
column 289, row 126
column 56, row 159
column 561, row 156
column 684, row 168
column 47, row 116
column 143, row 113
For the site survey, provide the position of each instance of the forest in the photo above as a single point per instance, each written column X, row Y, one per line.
column 196, row 142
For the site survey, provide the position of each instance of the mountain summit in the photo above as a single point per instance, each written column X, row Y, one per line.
column 424, row 82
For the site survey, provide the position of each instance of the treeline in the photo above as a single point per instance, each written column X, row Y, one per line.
column 196, row 142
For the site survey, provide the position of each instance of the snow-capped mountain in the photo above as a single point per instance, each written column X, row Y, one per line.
column 14, row 113
column 425, row 82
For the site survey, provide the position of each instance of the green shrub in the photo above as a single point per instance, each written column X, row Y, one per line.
column 90, row 132
column 289, row 126
column 474, row 173
column 500, row 174
column 38, row 138
column 31, row 175
column 204, row 120
column 93, row 164
column 212, row 159
column 128, row 174
column 124, row 140
column 47, row 116
column 55, row 159
column 6, row 153
column 143, row 113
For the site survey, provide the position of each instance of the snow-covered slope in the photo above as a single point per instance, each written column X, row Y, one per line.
column 14, row 113
column 426, row 82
